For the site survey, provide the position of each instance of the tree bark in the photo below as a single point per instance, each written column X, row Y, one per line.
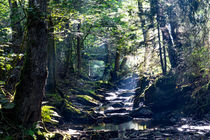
column 78, row 50
column 171, row 51
column 144, row 29
column 159, row 40
column 107, row 61
column 160, row 52
column 68, row 66
column 30, row 90
column 51, row 80
column 114, row 75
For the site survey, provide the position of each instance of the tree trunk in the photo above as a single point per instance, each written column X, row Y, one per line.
column 17, row 33
column 78, row 50
column 171, row 51
column 117, row 61
column 30, row 90
column 144, row 29
column 107, row 61
column 114, row 75
column 159, row 41
column 68, row 66
column 160, row 52
column 51, row 81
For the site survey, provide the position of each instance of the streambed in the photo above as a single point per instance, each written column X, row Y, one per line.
column 119, row 124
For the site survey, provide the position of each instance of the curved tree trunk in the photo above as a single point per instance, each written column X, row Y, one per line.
column 30, row 90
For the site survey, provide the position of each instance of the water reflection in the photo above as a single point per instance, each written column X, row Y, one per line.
column 131, row 125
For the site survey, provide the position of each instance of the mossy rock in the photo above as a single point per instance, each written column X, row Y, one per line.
column 70, row 112
column 162, row 95
column 165, row 83
column 55, row 100
column 200, row 102
column 86, row 100
column 73, row 114
column 87, row 92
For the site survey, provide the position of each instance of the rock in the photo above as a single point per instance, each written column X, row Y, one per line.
column 127, row 94
column 115, row 111
column 141, row 112
column 117, row 119
column 86, row 100
column 117, row 105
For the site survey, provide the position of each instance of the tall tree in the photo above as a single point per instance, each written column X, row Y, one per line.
column 163, row 64
column 78, row 49
column 142, row 16
column 30, row 90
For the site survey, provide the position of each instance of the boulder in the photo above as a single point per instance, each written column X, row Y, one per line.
column 141, row 112
column 115, row 111
column 117, row 105
column 126, row 94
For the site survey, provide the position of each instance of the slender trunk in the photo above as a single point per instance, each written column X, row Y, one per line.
column 173, row 20
column 117, row 61
column 144, row 29
column 164, row 57
column 68, row 68
column 51, row 81
column 78, row 51
column 17, row 33
column 171, row 51
column 107, row 61
column 30, row 90
column 159, row 42
column 114, row 75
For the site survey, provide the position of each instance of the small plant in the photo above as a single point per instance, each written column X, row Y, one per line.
column 48, row 114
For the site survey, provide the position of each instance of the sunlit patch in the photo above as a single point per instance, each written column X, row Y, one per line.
column 73, row 132
column 190, row 128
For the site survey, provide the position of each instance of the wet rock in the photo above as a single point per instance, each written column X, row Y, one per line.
column 141, row 112
column 117, row 105
column 117, row 119
column 119, row 100
column 127, row 94
column 86, row 101
column 115, row 111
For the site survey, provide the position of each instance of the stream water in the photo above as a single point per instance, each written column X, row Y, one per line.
column 117, row 119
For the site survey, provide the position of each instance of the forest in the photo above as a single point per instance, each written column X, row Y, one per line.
column 104, row 70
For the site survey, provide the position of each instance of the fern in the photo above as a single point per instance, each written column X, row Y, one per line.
column 48, row 114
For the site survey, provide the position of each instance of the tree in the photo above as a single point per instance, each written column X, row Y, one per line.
column 30, row 90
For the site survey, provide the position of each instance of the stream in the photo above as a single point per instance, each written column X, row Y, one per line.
column 118, row 123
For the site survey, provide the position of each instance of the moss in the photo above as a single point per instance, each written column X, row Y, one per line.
column 55, row 97
column 71, row 108
column 87, row 100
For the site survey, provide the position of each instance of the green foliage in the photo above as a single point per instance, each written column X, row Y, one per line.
column 198, row 63
column 48, row 114
column 5, row 102
column 71, row 108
